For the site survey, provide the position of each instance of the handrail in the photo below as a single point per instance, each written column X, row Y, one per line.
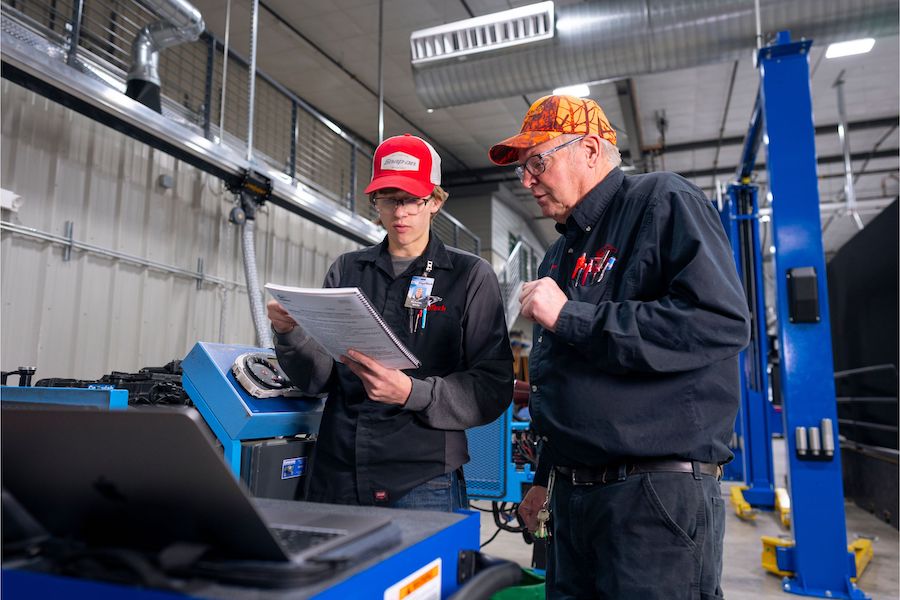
column 511, row 276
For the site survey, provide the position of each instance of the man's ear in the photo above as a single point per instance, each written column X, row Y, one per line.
column 593, row 149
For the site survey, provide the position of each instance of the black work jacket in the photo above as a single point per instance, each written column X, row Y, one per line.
column 643, row 363
column 369, row 452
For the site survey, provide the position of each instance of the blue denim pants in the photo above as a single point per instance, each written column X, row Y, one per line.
column 652, row 536
column 444, row 493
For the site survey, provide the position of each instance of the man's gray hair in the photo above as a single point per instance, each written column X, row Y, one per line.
column 611, row 153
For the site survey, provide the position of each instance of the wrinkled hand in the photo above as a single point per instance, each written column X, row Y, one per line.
column 390, row 386
column 542, row 301
column 531, row 504
column 282, row 322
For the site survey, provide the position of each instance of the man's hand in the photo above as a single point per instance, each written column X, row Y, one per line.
column 531, row 504
column 282, row 322
column 542, row 301
column 390, row 386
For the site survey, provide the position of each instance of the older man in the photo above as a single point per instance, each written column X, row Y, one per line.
column 639, row 318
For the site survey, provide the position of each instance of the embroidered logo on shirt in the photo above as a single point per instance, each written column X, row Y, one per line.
column 380, row 495
column 433, row 304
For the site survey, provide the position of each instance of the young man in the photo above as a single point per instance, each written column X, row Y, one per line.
column 390, row 437
column 639, row 318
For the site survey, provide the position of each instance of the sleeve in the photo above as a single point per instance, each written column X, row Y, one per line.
column 542, row 472
column 696, row 313
column 303, row 359
column 480, row 393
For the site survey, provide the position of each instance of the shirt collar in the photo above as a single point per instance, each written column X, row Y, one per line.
column 589, row 210
column 435, row 251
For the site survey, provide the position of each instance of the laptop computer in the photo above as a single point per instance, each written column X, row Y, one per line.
column 145, row 479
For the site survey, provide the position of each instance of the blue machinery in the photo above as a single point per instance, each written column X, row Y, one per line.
column 493, row 476
column 100, row 397
column 429, row 556
column 232, row 413
column 817, row 562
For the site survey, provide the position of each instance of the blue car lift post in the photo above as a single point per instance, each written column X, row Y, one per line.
column 817, row 562
column 753, row 427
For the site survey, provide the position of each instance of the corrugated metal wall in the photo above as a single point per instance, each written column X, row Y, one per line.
column 92, row 314
column 474, row 213
column 506, row 221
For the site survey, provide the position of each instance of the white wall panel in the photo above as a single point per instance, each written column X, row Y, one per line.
column 93, row 314
column 506, row 221
column 474, row 212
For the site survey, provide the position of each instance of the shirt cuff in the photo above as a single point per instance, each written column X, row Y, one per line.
column 574, row 322
column 542, row 473
column 295, row 337
column 420, row 395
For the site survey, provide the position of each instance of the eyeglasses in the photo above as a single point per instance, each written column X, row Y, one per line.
column 410, row 206
column 536, row 165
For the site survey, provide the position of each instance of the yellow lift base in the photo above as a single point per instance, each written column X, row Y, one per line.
column 861, row 549
column 742, row 508
column 745, row 511
column 783, row 506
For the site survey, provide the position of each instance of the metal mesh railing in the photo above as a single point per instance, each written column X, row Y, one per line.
column 289, row 135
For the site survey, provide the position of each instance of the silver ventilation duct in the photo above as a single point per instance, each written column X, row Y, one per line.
column 598, row 41
column 179, row 22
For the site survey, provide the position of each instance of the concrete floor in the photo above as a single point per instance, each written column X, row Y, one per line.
column 743, row 577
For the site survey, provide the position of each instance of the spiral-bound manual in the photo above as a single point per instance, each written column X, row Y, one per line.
column 343, row 318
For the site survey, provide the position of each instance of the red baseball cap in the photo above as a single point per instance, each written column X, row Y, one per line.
column 408, row 163
column 550, row 117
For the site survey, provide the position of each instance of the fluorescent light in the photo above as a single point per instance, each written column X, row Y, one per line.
column 333, row 127
column 581, row 90
column 849, row 48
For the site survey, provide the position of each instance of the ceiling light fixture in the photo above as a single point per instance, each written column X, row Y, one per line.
column 850, row 48
column 581, row 90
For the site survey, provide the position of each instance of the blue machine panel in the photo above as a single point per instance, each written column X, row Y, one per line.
column 491, row 473
column 231, row 412
column 103, row 397
column 371, row 582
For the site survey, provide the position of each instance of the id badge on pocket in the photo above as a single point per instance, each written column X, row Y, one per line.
column 419, row 290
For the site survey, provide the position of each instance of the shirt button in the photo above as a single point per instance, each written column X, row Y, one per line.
column 588, row 228
column 540, row 339
column 534, row 388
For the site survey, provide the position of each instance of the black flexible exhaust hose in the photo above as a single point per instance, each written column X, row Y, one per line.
column 492, row 575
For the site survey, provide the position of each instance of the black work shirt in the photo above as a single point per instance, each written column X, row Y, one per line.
column 643, row 363
column 369, row 452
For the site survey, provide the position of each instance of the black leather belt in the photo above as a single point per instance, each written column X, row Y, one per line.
column 619, row 472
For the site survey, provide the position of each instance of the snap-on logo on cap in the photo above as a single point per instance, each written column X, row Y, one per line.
column 400, row 161
column 407, row 163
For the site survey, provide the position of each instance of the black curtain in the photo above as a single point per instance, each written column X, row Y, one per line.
column 863, row 299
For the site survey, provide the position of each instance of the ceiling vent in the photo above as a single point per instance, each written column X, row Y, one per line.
column 515, row 27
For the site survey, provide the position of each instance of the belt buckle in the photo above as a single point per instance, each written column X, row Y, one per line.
column 575, row 480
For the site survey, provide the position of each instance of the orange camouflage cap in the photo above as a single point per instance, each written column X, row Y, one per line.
column 550, row 117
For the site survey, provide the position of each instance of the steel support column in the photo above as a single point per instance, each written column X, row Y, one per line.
column 740, row 215
column 819, row 560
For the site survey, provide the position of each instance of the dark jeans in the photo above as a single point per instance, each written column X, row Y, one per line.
column 651, row 536
column 445, row 493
